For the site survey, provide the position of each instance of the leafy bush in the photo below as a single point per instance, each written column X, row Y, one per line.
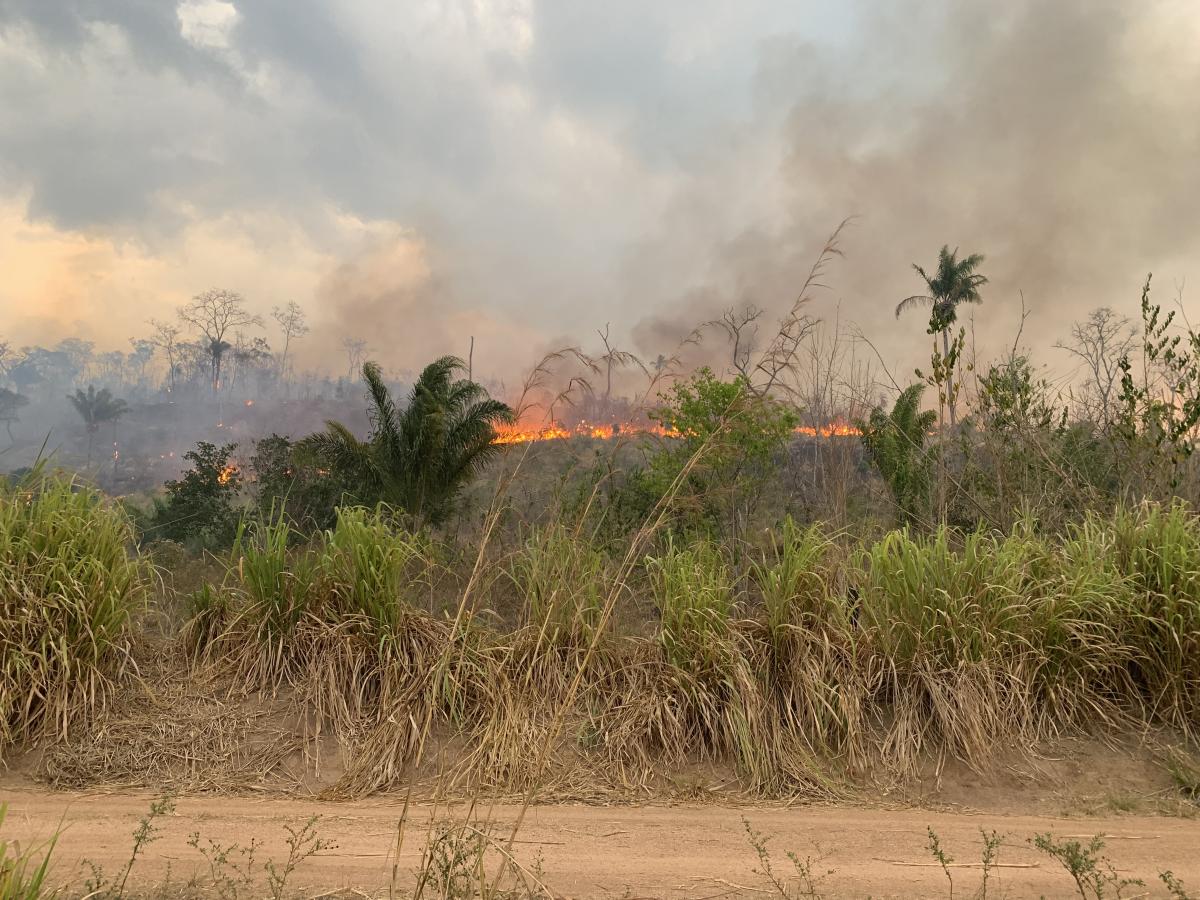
column 734, row 435
column 285, row 482
column 199, row 509
column 896, row 444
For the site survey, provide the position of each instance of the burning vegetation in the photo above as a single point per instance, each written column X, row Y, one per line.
column 518, row 434
column 827, row 576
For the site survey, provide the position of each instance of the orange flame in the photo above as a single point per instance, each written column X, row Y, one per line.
column 523, row 434
column 830, row 429
column 227, row 474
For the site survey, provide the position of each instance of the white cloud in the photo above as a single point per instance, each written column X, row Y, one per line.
column 207, row 23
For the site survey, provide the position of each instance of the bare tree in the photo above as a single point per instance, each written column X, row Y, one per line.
column 166, row 339
column 613, row 357
column 1100, row 342
column 214, row 313
column 832, row 388
column 245, row 356
column 292, row 323
column 140, row 356
column 356, row 350
column 763, row 370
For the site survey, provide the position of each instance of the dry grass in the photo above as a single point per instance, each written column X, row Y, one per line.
column 820, row 665
column 816, row 665
column 169, row 731
column 68, row 589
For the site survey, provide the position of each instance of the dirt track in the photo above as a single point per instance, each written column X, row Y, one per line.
column 649, row 851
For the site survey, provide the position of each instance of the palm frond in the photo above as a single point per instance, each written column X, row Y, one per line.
column 384, row 427
column 909, row 302
column 417, row 458
column 337, row 449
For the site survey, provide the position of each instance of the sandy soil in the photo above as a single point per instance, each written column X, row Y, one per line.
column 622, row 851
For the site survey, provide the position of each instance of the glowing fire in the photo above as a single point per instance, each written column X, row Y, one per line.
column 830, row 429
column 227, row 474
column 521, row 434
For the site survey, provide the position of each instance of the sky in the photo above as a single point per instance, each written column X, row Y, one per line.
column 526, row 172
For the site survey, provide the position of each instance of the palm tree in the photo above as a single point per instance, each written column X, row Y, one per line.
column 96, row 407
column 955, row 282
column 895, row 442
column 418, row 459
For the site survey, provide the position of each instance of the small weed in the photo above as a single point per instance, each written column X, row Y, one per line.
column 230, row 868
column 303, row 843
column 1175, row 886
column 454, row 866
column 943, row 858
column 807, row 878
column 147, row 832
column 453, row 863
column 991, row 853
column 1094, row 875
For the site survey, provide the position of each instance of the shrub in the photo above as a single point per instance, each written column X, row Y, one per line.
column 896, row 444
column 199, row 507
column 737, row 436
column 307, row 495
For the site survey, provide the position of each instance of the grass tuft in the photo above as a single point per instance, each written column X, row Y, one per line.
column 69, row 587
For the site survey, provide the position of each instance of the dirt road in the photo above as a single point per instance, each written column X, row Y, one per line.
column 610, row 852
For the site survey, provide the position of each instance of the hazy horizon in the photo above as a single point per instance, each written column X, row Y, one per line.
column 415, row 173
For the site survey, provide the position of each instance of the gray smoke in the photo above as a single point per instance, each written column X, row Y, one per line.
column 1060, row 139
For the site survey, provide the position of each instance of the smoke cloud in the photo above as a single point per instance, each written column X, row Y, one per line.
column 519, row 171
column 1057, row 138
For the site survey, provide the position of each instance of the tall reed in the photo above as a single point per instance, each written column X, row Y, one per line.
column 560, row 577
column 70, row 581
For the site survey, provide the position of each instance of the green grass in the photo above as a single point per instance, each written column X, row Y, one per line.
column 796, row 578
column 70, row 582
column 692, row 586
column 371, row 568
column 814, row 656
column 560, row 580
column 23, row 868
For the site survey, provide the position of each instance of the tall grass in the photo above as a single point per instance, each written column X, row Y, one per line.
column 23, row 869
column 1149, row 557
column 277, row 583
column 372, row 568
column 796, row 578
column 561, row 580
column 822, row 661
column 69, row 585
column 692, row 587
